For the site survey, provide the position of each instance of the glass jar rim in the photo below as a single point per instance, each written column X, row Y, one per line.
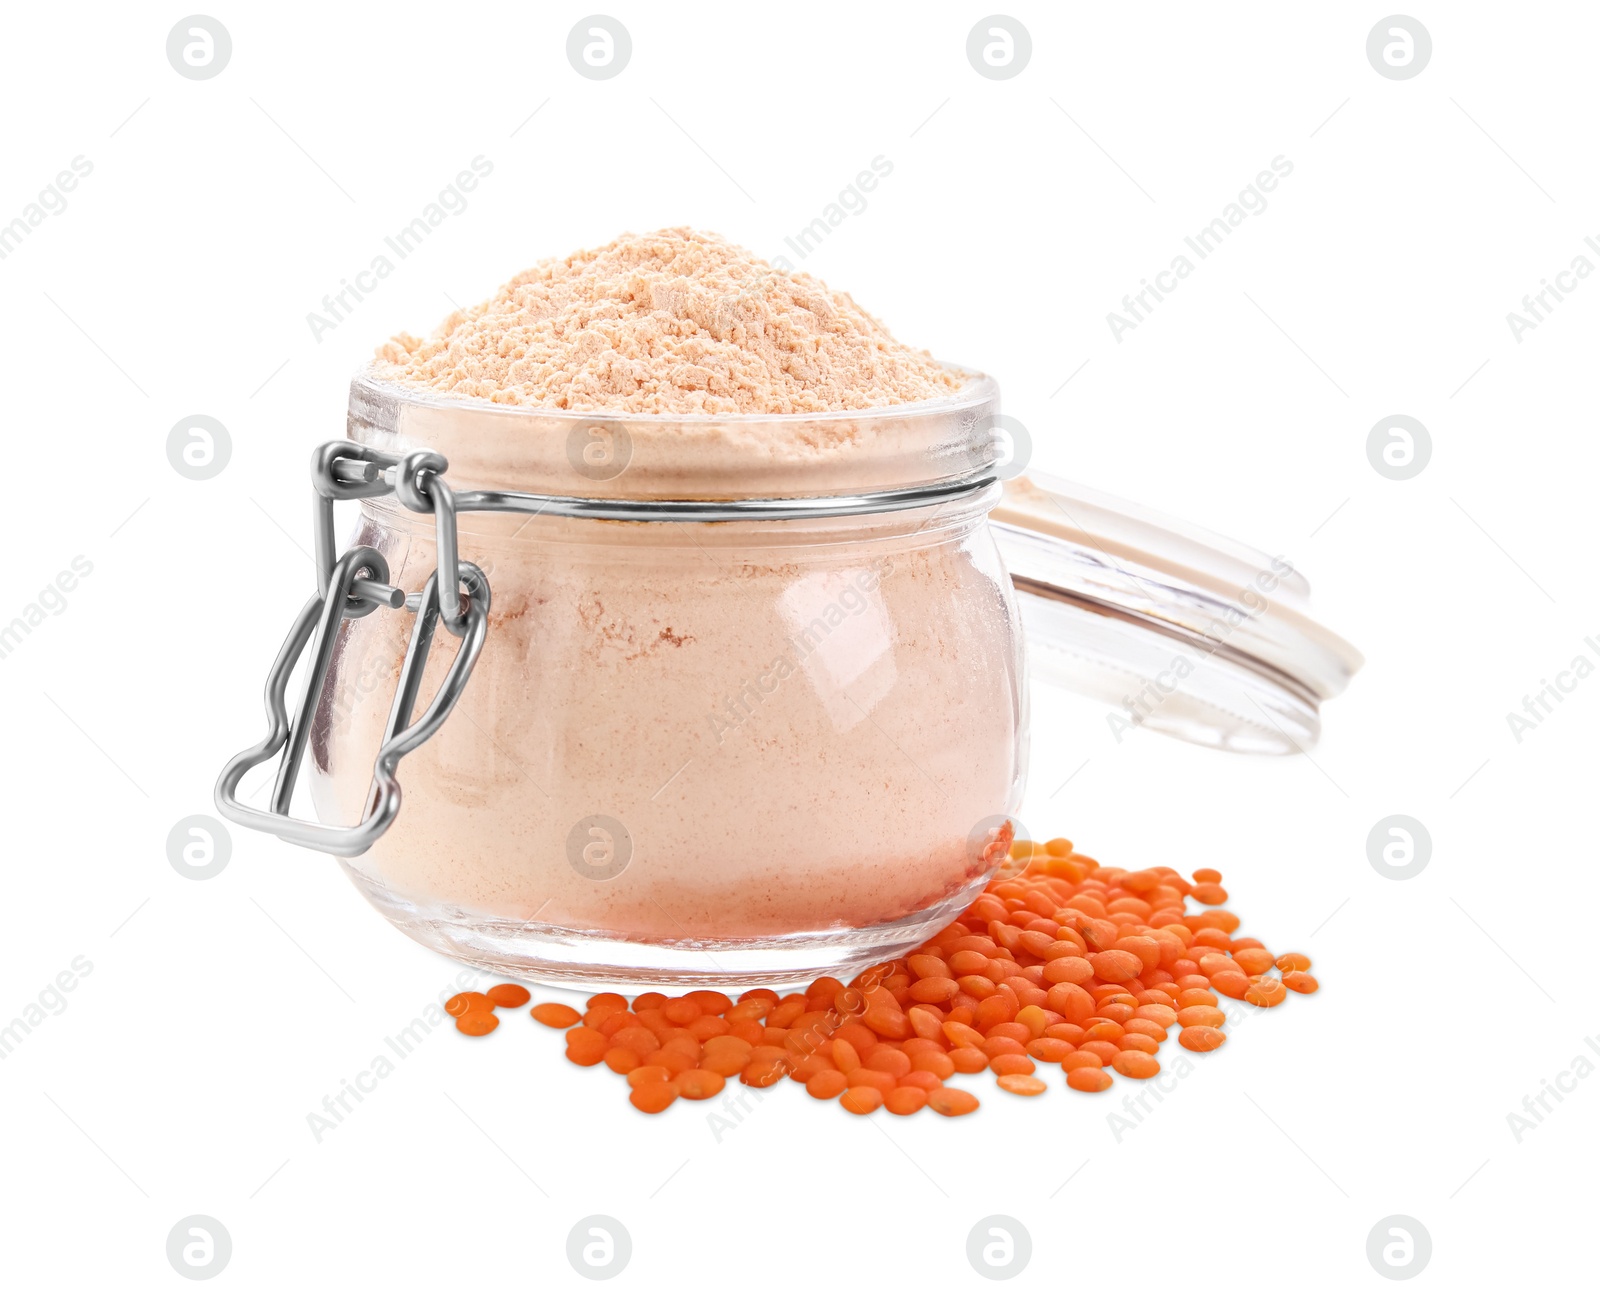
column 608, row 455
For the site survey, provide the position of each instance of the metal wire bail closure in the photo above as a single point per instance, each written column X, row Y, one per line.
column 355, row 585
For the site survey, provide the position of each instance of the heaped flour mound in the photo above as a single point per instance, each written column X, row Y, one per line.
column 674, row 322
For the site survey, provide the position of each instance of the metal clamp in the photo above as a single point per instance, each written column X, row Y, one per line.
column 350, row 586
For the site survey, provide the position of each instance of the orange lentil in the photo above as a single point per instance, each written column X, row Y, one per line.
column 962, row 1035
column 748, row 1009
column 1201, row 1039
column 1071, row 969
column 857, row 1035
column 1253, row 961
column 648, row 1075
column 1049, row 1050
column 476, row 1021
column 681, row 1011
column 726, row 1064
column 861, row 1100
column 1161, row 1014
column 761, row 1075
column 1060, row 960
column 1088, row 1079
column 1211, row 964
column 640, row 1039
column 1266, row 992
column 906, row 1100
column 925, row 1022
column 586, row 1046
column 470, row 1001
column 698, row 1083
column 671, row 1061
column 952, row 1102
column 558, row 1015
column 886, row 1057
column 1136, row 1065
column 826, row 1084
column 654, row 1096
column 1115, row 965
column 934, row 990
column 1144, row 1026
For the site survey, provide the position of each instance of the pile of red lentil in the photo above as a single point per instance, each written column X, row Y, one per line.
column 1059, row 961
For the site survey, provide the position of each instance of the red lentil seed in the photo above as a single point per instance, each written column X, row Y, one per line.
column 861, row 1100
column 1266, row 993
column 476, row 1021
column 470, row 1001
column 1136, row 1065
column 1088, row 1079
column 1201, row 1039
column 1059, row 961
column 654, row 1096
column 952, row 1102
column 906, row 1100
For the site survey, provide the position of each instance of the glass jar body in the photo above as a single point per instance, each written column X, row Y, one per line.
column 709, row 753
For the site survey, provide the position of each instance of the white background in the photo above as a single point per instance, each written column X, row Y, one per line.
column 178, row 1078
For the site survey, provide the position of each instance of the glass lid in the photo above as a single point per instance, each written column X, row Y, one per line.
column 1175, row 628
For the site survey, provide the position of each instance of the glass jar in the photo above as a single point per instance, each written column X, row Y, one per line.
column 730, row 700
column 744, row 750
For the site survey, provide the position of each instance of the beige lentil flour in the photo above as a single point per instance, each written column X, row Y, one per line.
column 796, row 724
column 674, row 322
